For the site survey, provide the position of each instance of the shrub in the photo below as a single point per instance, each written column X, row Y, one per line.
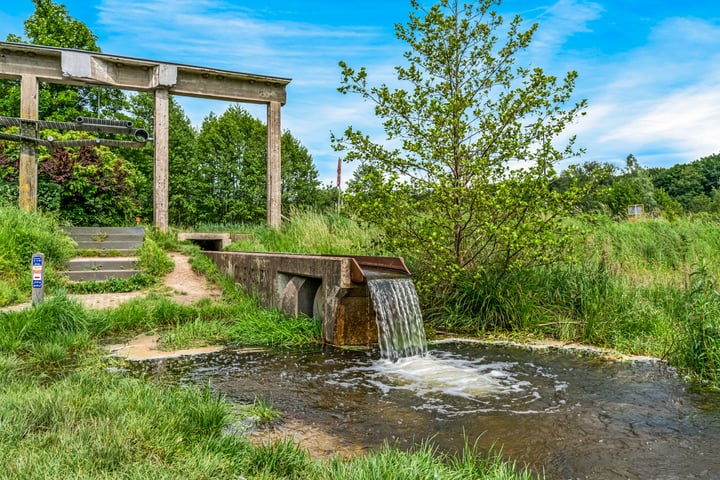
column 21, row 235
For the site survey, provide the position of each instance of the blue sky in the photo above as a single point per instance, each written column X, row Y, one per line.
column 650, row 69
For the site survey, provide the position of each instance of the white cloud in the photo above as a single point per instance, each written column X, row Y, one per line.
column 561, row 21
column 660, row 101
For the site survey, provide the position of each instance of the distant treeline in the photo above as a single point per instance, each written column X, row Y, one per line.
column 683, row 188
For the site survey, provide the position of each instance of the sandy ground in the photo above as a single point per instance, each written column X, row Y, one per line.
column 185, row 287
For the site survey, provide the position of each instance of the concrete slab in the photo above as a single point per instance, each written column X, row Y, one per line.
column 331, row 289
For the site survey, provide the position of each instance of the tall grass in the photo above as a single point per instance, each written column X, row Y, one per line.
column 21, row 235
column 643, row 288
column 315, row 233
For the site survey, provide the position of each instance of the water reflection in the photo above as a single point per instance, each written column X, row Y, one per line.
column 574, row 417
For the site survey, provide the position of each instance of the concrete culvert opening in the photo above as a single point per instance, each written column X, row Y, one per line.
column 299, row 294
column 209, row 245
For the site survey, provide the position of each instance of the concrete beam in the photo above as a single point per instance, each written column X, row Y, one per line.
column 161, row 197
column 28, row 149
column 77, row 67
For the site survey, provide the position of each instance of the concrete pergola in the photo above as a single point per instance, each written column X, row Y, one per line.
column 32, row 64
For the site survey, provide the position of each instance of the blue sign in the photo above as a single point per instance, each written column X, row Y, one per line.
column 37, row 261
column 37, row 284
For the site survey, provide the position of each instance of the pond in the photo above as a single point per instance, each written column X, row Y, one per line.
column 571, row 416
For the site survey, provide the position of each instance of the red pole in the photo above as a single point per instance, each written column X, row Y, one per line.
column 339, row 172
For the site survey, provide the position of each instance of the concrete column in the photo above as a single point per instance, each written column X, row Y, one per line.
column 28, row 149
column 161, row 140
column 273, row 166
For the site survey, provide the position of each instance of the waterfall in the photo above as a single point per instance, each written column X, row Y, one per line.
column 399, row 319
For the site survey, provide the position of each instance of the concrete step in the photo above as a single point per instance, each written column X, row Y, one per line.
column 107, row 238
column 108, row 245
column 102, row 263
column 99, row 275
column 104, row 237
column 120, row 242
column 138, row 231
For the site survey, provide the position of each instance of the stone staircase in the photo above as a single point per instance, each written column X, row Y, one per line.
column 108, row 252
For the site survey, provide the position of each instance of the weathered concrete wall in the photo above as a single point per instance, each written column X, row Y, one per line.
column 330, row 289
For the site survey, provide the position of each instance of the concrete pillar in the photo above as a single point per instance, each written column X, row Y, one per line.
column 161, row 141
column 28, row 149
column 273, row 166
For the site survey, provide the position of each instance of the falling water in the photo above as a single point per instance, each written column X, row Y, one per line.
column 399, row 319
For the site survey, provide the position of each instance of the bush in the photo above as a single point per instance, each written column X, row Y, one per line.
column 21, row 235
column 153, row 259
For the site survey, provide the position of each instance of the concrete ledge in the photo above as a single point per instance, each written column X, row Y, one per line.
column 99, row 275
column 331, row 289
column 102, row 263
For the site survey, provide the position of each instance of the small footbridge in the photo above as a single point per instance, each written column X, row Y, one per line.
column 332, row 289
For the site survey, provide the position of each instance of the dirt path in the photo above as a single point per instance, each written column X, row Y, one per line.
column 185, row 287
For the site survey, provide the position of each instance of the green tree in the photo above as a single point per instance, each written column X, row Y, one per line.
column 232, row 155
column 633, row 186
column 594, row 177
column 184, row 166
column 683, row 182
column 468, row 188
column 51, row 25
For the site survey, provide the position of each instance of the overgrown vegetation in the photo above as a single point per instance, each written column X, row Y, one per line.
column 312, row 232
column 645, row 287
column 21, row 235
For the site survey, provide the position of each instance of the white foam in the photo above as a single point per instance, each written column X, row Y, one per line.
column 430, row 374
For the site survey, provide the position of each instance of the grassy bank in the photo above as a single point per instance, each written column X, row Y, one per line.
column 648, row 287
column 68, row 412
column 21, row 235
column 309, row 232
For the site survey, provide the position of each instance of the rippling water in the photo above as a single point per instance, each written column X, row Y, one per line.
column 571, row 416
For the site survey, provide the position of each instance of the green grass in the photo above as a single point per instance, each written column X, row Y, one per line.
column 646, row 288
column 21, row 235
column 314, row 233
column 423, row 462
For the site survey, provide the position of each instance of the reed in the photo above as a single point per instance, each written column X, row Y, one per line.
column 644, row 288
column 314, row 233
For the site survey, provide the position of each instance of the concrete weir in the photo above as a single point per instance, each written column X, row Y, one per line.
column 332, row 289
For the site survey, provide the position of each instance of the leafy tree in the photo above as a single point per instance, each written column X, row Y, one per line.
column 232, row 154
column 683, row 182
column 184, row 167
column 51, row 25
column 468, row 188
column 594, row 177
column 632, row 187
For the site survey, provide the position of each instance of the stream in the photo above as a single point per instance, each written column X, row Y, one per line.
column 567, row 415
